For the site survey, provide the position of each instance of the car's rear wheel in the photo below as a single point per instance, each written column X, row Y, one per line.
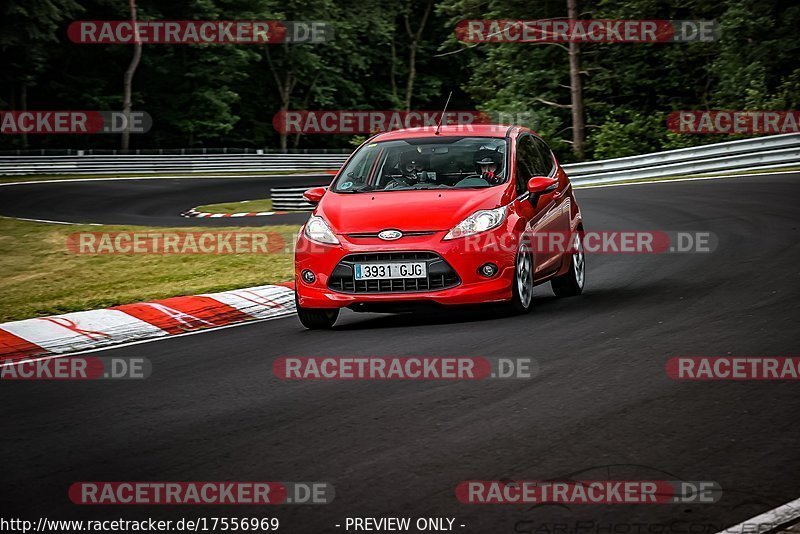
column 522, row 288
column 571, row 283
column 316, row 319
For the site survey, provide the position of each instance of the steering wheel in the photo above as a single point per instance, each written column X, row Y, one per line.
column 396, row 182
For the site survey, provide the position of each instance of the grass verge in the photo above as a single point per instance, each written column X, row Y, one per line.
column 42, row 277
column 262, row 204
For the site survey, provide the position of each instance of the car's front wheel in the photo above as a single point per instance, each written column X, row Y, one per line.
column 316, row 319
column 571, row 283
column 522, row 288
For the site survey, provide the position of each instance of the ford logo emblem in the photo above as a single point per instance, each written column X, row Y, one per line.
column 390, row 235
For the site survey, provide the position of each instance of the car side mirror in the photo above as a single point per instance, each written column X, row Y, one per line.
column 314, row 195
column 541, row 184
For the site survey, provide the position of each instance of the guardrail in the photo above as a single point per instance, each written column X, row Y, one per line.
column 196, row 151
column 683, row 155
column 180, row 164
column 759, row 152
column 289, row 199
column 756, row 153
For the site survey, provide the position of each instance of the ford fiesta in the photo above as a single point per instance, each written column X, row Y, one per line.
column 447, row 217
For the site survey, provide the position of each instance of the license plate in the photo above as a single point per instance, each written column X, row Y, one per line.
column 387, row 271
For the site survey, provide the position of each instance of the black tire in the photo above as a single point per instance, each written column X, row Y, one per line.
column 316, row 319
column 572, row 282
column 522, row 293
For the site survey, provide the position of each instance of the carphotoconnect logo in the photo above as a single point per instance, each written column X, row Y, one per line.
column 707, row 368
column 74, row 122
column 734, row 122
column 199, row 32
column 402, row 368
column 201, row 493
column 585, row 31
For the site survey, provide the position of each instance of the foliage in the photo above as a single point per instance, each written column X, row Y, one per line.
column 226, row 95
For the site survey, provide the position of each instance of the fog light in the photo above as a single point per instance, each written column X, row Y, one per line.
column 488, row 270
column 308, row 277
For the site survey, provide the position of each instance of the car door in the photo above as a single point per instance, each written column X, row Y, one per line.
column 548, row 168
column 562, row 195
column 543, row 212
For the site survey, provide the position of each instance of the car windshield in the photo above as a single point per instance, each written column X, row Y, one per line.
column 425, row 163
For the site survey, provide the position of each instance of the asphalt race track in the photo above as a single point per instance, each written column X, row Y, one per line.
column 602, row 406
column 147, row 202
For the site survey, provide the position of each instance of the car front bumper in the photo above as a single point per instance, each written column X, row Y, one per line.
column 464, row 255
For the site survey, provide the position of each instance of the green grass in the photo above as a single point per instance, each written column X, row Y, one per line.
column 41, row 277
column 263, row 204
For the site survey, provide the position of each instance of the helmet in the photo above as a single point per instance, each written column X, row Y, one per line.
column 488, row 156
column 412, row 162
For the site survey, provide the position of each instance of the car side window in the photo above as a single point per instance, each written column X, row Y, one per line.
column 544, row 157
column 523, row 163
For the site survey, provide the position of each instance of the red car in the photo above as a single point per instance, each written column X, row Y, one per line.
column 421, row 216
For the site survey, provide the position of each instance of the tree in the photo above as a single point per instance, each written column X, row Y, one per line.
column 128, row 79
column 414, row 38
column 576, row 88
column 28, row 28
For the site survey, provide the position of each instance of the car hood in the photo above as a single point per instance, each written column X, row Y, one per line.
column 408, row 211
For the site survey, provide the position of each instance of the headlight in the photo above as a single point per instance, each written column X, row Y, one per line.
column 318, row 230
column 480, row 221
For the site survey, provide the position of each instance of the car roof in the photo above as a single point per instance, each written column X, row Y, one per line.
column 475, row 130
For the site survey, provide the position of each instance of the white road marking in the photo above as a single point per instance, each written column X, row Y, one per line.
column 50, row 222
column 775, row 519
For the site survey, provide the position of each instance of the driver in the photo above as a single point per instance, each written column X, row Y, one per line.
column 411, row 165
column 489, row 165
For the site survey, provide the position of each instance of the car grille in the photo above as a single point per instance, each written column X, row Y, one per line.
column 440, row 274
column 405, row 234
